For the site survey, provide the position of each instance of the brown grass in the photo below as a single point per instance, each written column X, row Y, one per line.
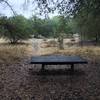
column 12, row 53
column 50, row 43
column 89, row 52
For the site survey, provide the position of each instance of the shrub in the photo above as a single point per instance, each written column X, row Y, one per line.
column 16, row 28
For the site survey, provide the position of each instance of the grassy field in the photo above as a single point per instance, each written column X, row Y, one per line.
column 14, row 53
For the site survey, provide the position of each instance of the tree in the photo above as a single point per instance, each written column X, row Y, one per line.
column 9, row 5
column 44, row 7
column 84, row 12
column 61, row 28
column 16, row 28
column 42, row 27
column 3, row 20
column 87, row 14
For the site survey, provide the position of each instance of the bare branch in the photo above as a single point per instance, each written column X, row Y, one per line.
column 6, row 2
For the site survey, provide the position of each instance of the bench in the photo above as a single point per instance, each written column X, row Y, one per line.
column 57, row 60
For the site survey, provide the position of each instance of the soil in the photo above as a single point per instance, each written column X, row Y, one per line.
column 23, row 81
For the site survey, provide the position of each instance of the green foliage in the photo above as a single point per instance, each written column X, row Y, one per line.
column 43, row 27
column 85, row 16
column 62, row 28
column 3, row 21
column 16, row 28
column 61, row 25
column 19, row 28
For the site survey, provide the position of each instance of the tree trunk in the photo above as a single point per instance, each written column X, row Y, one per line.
column 81, row 40
column 61, row 45
column 96, row 39
column 13, row 41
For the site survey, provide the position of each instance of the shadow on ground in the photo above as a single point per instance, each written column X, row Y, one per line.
column 57, row 72
column 26, row 82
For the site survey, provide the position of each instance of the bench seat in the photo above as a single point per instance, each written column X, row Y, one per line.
column 58, row 60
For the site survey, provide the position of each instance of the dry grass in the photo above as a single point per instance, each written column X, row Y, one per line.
column 91, row 52
column 12, row 53
column 87, row 50
column 50, row 43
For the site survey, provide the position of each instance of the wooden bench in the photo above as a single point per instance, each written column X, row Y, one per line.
column 57, row 60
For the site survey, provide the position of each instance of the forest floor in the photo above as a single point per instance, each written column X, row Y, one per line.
column 20, row 80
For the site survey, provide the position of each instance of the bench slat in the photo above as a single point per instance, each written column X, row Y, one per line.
column 58, row 59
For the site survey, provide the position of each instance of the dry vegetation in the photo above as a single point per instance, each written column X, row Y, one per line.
column 83, row 51
column 12, row 53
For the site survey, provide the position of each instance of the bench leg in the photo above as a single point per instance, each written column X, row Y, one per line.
column 72, row 67
column 43, row 67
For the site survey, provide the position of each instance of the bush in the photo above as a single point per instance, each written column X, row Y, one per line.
column 16, row 28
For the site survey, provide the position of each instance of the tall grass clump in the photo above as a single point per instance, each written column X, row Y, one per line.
column 12, row 53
